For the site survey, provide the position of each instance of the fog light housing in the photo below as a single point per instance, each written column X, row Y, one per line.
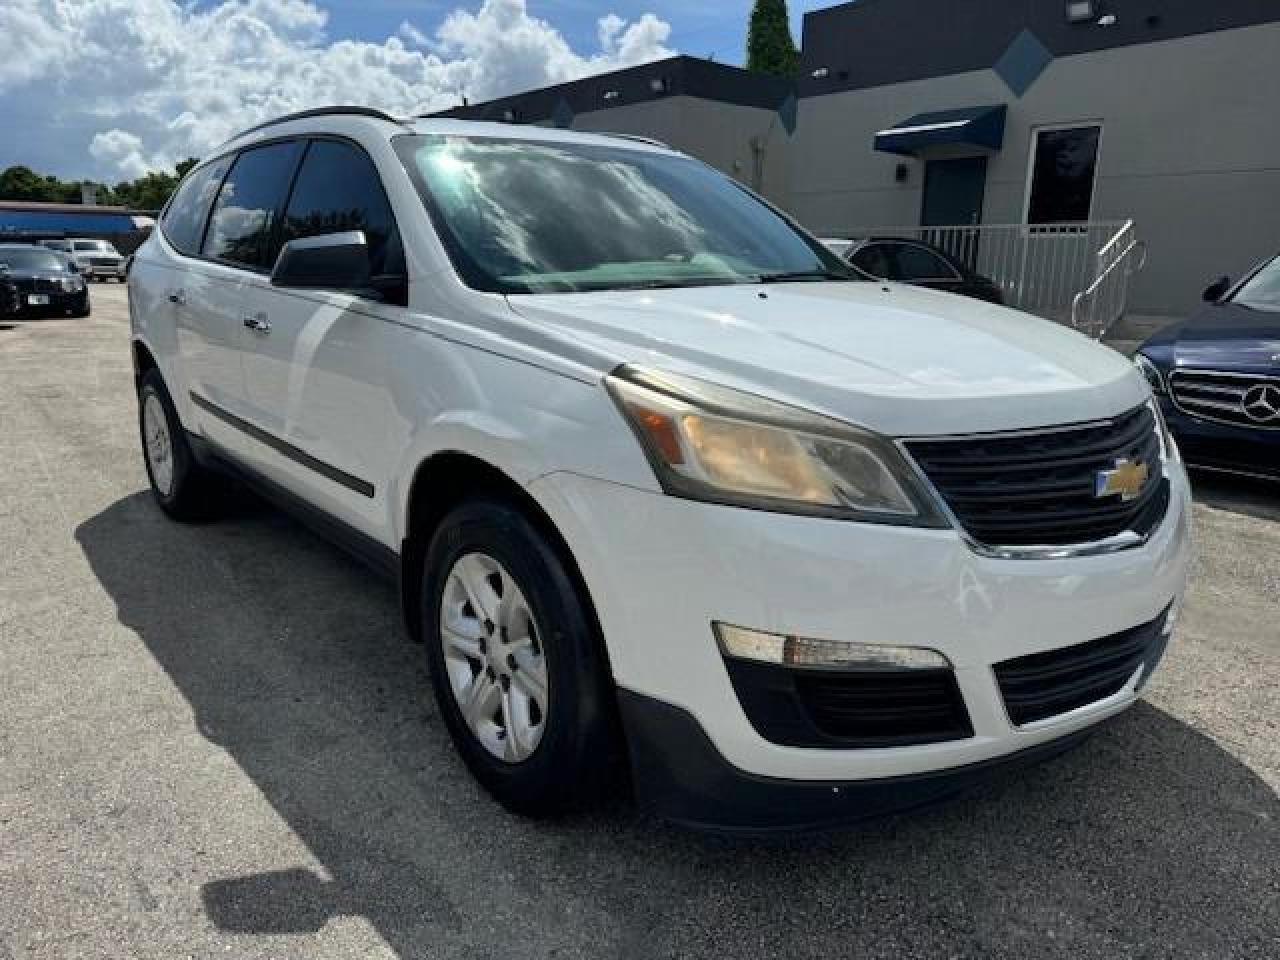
column 743, row 643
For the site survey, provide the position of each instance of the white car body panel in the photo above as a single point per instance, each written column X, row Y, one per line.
column 900, row 360
column 662, row 569
column 375, row 390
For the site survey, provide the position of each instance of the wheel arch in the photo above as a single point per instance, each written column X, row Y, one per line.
column 442, row 481
column 143, row 360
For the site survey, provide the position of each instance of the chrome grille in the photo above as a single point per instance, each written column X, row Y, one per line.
column 1037, row 488
column 1226, row 397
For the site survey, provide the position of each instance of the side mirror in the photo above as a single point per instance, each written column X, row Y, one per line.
column 337, row 261
column 1217, row 290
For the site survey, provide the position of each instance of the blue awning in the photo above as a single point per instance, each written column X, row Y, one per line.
column 978, row 127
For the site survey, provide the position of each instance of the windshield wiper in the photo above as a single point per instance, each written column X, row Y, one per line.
column 789, row 275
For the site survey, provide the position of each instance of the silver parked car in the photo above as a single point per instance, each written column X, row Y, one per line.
column 95, row 259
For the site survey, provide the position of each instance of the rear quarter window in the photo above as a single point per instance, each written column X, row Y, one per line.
column 183, row 221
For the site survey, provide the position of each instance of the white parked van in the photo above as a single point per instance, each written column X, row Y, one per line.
column 665, row 483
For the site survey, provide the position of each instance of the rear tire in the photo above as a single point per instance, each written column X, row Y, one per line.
column 508, row 635
column 185, row 490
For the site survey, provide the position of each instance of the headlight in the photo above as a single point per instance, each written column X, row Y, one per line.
column 1150, row 372
column 708, row 442
column 72, row 284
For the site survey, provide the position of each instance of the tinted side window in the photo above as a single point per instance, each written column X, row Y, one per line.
column 245, row 214
column 872, row 260
column 917, row 263
column 183, row 222
column 338, row 189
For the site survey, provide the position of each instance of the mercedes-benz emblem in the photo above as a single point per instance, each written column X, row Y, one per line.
column 1262, row 403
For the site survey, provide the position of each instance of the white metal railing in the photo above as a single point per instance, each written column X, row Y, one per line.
column 1098, row 306
column 1074, row 273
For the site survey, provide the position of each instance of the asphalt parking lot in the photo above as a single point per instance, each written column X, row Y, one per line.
column 214, row 742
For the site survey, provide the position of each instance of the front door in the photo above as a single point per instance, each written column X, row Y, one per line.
column 953, row 194
column 317, row 361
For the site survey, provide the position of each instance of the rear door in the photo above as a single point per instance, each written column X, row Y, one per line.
column 234, row 252
column 189, row 291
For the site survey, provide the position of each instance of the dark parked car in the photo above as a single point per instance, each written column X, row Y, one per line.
column 47, row 281
column 1218, row 376
column 921, row 264
column 9, row 298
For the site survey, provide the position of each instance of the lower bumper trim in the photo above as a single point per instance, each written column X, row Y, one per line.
column 681, row 777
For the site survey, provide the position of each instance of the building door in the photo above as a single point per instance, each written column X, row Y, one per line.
column 953, row 193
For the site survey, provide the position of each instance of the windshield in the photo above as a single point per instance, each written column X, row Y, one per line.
column 97, row 246
column 524, row 217
column 1262, row 290
column 32, row 259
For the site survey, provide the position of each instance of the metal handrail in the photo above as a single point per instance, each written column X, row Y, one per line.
column 1109, row 290
column 1126, row 227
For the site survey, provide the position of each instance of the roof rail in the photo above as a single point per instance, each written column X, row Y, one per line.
column 633, row 136
column 319, row 112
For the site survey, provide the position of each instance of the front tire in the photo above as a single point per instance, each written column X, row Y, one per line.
column 516, row 663
column 185, row 490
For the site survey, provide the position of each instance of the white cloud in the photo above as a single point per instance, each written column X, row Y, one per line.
column 140, row 84
column 122, row 150
column 412, row 35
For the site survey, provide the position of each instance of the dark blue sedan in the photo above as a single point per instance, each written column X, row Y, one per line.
column 1218, row 376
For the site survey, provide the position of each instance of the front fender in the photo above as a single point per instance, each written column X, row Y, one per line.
column 554, row 424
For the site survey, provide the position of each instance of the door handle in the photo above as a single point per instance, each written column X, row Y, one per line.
column 179, row 297
column 257, row 322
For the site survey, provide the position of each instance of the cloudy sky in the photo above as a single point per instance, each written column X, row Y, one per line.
column 109, row 89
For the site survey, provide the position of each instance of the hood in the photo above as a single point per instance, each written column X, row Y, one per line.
column 1228, row 336
column 904, row 361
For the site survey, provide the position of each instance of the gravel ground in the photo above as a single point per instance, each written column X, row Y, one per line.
column 213, row 742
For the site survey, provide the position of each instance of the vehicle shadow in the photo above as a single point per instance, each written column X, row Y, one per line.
column 1151, row 839
column 1247, row 496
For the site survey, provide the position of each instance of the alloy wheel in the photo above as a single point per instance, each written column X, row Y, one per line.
column 494, row 657
column 157, row 443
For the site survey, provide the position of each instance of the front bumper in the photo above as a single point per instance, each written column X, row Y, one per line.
column 1224, row 446
column 60, row 304
column 683, row 778
column 661, row 570
column 100, row 272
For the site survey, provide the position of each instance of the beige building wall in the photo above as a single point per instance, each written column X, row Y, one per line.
column 1190, row 150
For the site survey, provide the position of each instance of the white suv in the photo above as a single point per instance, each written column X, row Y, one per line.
column 663, row 481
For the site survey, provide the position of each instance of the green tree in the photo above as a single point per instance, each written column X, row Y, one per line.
column 23, row 183
column 148, row 192
column 770, row 48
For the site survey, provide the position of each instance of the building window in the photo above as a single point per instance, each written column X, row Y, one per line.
column 1064, row 163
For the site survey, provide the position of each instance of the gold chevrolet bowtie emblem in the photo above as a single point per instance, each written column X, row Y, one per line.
column 1127, row 480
